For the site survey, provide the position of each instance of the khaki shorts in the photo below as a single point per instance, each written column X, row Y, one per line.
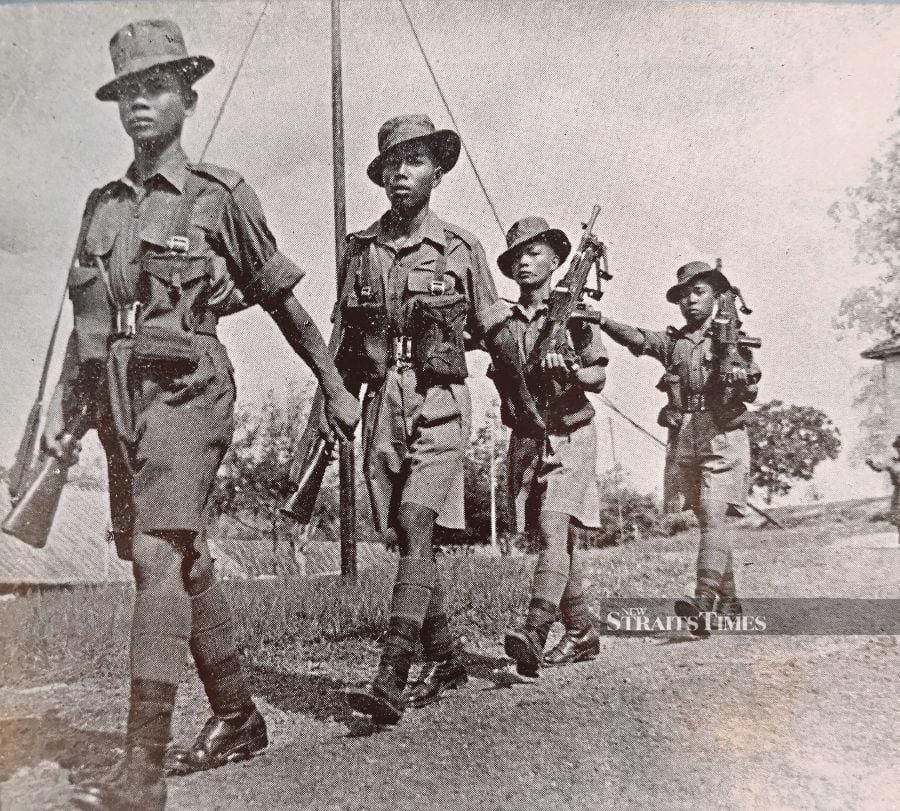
column 703, row 461
column 555, row 474
column 414, row 445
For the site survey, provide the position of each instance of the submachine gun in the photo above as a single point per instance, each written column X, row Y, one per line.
column 567, row 305
column 728, row 339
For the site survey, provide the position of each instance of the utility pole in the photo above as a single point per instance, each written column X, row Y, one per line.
column 346, row 460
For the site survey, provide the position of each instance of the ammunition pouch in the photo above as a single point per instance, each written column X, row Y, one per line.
column 672, row 414
column 570, row 409
column 364, row 347
column 437, row 324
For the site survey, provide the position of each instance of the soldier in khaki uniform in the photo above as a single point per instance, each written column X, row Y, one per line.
column 414, row 284
column 708, row 452
column 163, row 252
column 548, row 478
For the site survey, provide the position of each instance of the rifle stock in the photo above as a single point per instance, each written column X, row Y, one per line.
column 31, row 518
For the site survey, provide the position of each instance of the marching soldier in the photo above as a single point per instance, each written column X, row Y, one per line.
column 708, row 452
column 414, row 284
column 548, row 477
column 163, row 252
column 892, row 467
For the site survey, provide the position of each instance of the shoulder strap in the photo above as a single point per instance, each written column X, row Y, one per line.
column 181, row 221
column 86, row 218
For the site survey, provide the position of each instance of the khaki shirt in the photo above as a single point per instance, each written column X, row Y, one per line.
column 395, row 270
column 226, row 222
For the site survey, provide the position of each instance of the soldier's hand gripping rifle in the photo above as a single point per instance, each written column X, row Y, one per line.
column 728, row 339
column 567, row 305
column 32, row 516
column 315, row 449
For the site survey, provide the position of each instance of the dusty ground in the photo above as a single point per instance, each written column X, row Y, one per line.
column 664, row 722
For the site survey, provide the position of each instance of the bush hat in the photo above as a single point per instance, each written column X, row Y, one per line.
column 149, row 44
column 689, row 273
column 529, row 229
column 404, row 128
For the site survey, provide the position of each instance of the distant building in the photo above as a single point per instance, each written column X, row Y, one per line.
column 888, row 352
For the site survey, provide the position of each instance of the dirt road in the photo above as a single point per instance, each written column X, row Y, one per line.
column 728, row 722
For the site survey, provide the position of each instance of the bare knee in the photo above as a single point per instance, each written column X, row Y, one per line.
column 415, row 526
column 711, row 512
column 155, row 562
column 554, row 527
column 199, row 571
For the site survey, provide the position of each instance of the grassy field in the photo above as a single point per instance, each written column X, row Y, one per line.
column 67, row 635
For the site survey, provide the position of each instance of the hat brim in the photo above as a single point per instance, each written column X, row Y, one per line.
column 445, row 144
column 554, row 236
column 715, row 276
column 193, row 68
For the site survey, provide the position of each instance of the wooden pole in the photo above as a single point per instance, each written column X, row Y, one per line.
column 346, row 462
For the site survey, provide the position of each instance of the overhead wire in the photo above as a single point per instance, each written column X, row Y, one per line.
column 440, row 91
column 234, row 78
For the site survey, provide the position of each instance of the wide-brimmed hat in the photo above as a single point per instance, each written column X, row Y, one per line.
column 149, row 44
column 529, row 229
column 688, row 273
column 417, row 127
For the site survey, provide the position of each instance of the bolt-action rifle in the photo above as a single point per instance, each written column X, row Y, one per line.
column 567, row 304
column 32, row 516
column 315, row 451
column 728, row 339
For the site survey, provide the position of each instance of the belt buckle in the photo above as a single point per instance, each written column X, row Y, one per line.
column 403, row 352
column 178, row 244
column 126, row 319
column 438, row 287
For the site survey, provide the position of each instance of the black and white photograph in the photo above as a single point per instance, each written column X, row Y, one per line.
column 473, row 405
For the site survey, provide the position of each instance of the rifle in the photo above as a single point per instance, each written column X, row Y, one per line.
column 32, row 516
column 728, row 339
column 565, row 305
column 315, row 451
column 27, row 455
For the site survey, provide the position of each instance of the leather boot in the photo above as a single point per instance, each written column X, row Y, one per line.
column 574, row 646
column 223, row 739
column 135, row 784
column 435, row 678
column 383, row 700
column 697, row 610
column 525, row 648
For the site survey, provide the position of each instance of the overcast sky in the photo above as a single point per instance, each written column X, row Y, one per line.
column 702, row 129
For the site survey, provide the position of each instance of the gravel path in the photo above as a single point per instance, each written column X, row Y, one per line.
column 729, row 722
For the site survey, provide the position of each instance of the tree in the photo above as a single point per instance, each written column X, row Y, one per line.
column 787, row 442
column 873, row 310
column 254, row 480
column 478, row 483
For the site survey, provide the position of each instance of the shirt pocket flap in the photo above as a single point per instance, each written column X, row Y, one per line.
column 425, row 281
column 176, row 271
column 419, row 281
column 80, row 275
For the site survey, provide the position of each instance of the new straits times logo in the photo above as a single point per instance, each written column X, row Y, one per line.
column 640, row 619
column 795, row 616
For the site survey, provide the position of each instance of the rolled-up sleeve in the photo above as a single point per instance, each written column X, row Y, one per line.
column 259, row 269
column 486, row 309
